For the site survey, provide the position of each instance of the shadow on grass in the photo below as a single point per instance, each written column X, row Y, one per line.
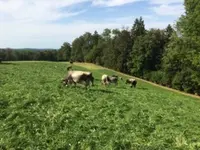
column 102, row 91
column 89, row 89
column 141, row 88
column 7, row 63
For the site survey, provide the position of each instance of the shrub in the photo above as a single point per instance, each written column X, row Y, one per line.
column 158, row 77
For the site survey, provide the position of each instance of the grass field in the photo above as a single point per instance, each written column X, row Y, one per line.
column 36, row 112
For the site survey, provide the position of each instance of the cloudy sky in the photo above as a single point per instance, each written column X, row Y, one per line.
column 49, row 23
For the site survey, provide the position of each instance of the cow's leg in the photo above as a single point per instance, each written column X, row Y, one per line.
column 92, row 81
column 132, row 85
column 87, row 83
column 74, row 83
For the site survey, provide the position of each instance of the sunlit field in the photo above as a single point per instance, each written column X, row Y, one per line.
column 37, row 112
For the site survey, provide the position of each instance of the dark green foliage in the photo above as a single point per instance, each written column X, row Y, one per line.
column 181, row 59
column 168, row 32
column 77, row 51
column 147, row 52
column 64, row 53
column 15, row 54
column 122, row 48
column 158, row 77
column 138, row 28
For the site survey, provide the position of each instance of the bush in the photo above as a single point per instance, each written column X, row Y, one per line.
column 158, row 77
column 187, row 81
column 177, row 81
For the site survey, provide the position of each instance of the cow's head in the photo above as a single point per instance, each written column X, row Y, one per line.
column 127, row 81
column 64, row 81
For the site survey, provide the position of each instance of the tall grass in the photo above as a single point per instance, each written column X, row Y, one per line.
column 37, row 112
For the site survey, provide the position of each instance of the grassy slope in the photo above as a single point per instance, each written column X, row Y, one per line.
column 37, row 112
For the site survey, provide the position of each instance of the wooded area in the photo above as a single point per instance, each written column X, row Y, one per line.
column 170, row 56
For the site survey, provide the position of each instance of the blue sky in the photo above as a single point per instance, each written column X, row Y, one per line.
column 49, row 23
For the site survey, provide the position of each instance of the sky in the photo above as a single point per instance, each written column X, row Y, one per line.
column 50, row 23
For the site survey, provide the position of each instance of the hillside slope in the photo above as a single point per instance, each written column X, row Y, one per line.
column 36, row 112
column 91, row 66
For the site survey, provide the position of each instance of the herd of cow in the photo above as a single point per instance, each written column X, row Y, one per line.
column 83, row 77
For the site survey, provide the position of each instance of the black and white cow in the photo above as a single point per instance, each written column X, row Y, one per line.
column 132, row 81
column 105, row 79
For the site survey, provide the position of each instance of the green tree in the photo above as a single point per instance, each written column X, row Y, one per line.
column 106, row 34
column 77, row 52
column 138, row 28
column 181, row 59
column 122, row 49
column 147, row 52
column 64, row 53
column 137, row 32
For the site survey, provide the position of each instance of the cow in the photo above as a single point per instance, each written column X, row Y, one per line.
column 105, row 79
column 113, row 79
column 131, row 81
column 74, row 77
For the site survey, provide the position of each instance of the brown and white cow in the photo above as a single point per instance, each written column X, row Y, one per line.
column 75, row 76
column 113, row 79
column 131, row 81
column 105, row 79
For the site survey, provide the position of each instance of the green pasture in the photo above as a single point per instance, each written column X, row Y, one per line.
column 37, row 112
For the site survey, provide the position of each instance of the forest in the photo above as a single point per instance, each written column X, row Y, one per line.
column 170, row 56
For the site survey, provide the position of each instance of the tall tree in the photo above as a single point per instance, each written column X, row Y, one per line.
column 64, row 53
column 138, row 28
column 77, row 52
column 168, row 32
column 147, row 52
column 181, row 58
column 106, row 34
column 122, row 47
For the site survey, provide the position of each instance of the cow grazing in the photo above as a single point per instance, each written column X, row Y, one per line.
column 113, row 79
column 74, row 77
column 105, row 79
column 133, row 82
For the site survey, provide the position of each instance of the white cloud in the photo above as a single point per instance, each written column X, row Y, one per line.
column 161, row 2
column 168, row 7
column 45, row 35
column 111, row 3
column 25, row 23
column 169, row 10
column 36, row 10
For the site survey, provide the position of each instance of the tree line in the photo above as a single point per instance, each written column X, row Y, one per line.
column 170, row 56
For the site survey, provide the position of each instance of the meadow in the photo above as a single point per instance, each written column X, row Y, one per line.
column 37, row 112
